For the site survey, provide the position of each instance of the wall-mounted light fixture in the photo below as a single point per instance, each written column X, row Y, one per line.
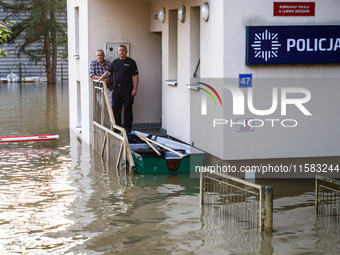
column 181, row 14
column 161, row 15
column 205, row 11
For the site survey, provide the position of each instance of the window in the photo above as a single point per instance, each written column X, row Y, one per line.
column 76, row 32
column 173, row 44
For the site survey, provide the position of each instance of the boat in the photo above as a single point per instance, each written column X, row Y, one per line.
column 154, row 154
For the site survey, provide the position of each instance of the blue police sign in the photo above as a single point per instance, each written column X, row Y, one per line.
column 292, row 44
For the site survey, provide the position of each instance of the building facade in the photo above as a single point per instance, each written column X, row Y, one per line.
column 278, row 61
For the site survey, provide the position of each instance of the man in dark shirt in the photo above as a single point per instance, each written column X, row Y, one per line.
column 126, row 78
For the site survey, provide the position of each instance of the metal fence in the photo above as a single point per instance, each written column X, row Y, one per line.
column 327, row 197
column 247, row 204
column 109, row 139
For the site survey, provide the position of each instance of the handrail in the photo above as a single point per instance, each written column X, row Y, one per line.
column 325, row 181
column 257, row 186
column 265, row 194
column 113, row 125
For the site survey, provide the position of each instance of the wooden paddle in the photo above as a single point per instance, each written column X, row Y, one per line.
column 148, row 143
column 163, row 146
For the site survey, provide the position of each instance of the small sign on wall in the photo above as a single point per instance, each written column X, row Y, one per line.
column 112, row 50
column 245, row 80
column 294, row 8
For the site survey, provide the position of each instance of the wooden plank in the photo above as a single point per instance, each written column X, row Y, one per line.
column 165, row 147
column 148, row 143
column 104, row 143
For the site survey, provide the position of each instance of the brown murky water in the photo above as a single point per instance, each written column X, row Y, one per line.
column 58, row 197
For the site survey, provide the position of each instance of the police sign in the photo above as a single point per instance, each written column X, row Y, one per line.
column 292, row 44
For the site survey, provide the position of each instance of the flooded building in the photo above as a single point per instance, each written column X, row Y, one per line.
column 237, row 79
column 14, row 66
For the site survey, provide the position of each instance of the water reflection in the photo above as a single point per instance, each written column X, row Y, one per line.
column 35, row 194
column 58, row 197
column 35, row 190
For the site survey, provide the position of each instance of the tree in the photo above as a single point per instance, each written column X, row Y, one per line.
column 38, row 24
column 5, row 33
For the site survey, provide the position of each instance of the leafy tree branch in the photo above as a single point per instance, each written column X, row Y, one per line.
column 40, row 24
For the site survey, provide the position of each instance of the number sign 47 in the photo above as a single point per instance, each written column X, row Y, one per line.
column 245, row 80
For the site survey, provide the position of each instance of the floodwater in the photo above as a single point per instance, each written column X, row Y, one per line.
column 58, row 197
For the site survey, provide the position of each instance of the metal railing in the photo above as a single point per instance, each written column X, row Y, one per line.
column 108, row 139
column 246, row 203
column 327, row 197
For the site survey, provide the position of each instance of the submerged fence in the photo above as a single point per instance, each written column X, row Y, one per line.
column 109, row 139
column 327, row 197
column 247, row 204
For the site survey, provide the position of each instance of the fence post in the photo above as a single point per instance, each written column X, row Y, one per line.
column 316, row 195
column 269, row 209
column 201, row 187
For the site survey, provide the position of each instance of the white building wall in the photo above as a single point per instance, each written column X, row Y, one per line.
column 315, row 135
column 222, row 53
column 176, row 99
column 239, row 14
column 80, row 91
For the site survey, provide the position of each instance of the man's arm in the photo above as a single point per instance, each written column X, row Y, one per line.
column 104, row 76
column 95, row 76
column 135, row 85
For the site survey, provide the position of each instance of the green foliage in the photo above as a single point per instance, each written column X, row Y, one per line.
column 40, row 17
column 39, row 24
column 5, row 33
